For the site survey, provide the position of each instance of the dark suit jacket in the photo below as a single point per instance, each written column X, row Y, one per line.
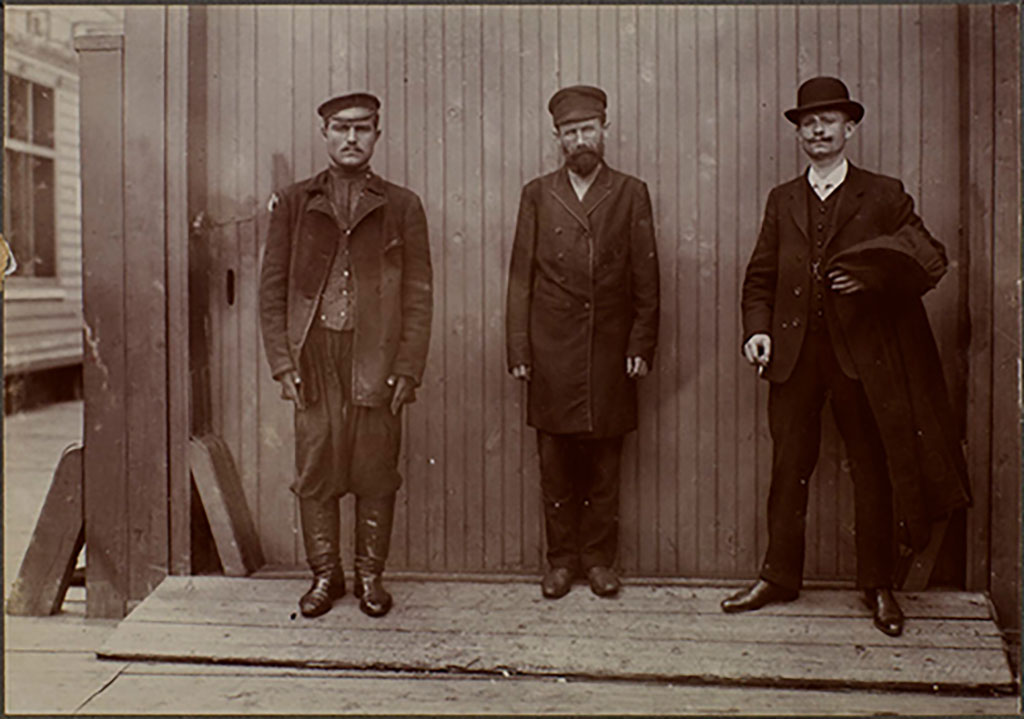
column 390, row 258
column 777, row 288
column 582, row 297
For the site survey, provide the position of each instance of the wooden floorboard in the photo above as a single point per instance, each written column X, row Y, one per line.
column 824, row 639
column 184, row 689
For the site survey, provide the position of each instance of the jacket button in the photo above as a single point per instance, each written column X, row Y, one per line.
column 796, row 322
column 785, row 325
column 797, row 291
column 558, row 230
column 586, row 305
column 821, row 313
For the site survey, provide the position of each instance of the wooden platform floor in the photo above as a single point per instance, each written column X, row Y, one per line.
column 676, row 634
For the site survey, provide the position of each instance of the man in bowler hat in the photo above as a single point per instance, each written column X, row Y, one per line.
column 832, row 309
column 582, row 325
column 345, row 310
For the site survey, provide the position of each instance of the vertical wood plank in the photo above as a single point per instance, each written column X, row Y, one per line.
column 176, row 232
column 747, row 208
column 979, row 196
column 145, row 296
column 275, row 506
column 419, row 451
column 395, row 135
column 454, row 318
column 869, row 132
column 474, row 349
column 103, row 376
column 568, row 19
column 1006, row 420
column 727, row 108
column 687, row 300
column 626, row 133
column 890, row 97
column 250, row 350
column 540, row 153
column 435, row 380
column 770, row 126
column 707, row 297
column 666, row 476
column 649, row 388
column 589, row 39
column 496, row 224
column 520, row 140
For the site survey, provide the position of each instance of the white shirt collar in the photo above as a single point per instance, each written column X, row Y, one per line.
column 824, row 186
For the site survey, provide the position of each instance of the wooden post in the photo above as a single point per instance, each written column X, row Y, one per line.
column 1005, row 567
column 103, row 372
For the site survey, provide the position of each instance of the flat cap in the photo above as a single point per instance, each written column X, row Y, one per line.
column 578, row 102
column 344, row 102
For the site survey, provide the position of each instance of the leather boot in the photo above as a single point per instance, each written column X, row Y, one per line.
column 320, row 536
column 374, row 517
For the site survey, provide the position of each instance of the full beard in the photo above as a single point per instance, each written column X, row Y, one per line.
column 584, row 160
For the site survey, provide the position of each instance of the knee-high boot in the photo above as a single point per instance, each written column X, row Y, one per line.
column 374, row 517
column 320, row 535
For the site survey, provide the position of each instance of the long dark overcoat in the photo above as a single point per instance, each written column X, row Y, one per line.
column 582, row 297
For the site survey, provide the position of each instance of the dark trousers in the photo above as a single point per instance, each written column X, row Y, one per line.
column 579, row 481
column 341, row 447
column 794, row 416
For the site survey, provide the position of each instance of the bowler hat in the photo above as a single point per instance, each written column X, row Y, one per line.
column 352, row 99
column 578, row 102
column 822, row 93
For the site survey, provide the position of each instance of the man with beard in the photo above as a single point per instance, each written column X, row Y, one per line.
column 345, row 309
column 582, row 325
column 832, row 309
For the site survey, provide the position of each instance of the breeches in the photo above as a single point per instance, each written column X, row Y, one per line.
column 579, row 481
column 340, row 447
column 794, row 416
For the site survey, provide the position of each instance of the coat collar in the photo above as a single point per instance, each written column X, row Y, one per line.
column 319, row 188
column 599, row 191
column 849, row 201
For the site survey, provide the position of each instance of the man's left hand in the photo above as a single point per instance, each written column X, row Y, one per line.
column 844, row 284
column 636, row 367
column 404, row 391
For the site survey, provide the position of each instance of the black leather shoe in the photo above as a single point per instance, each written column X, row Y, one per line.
column 888, row 616
column 603, row 581
column 321, row 595
column 374, row 599
column 556, row 582
column 757, row 595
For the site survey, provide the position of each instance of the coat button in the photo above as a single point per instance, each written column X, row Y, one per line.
column 558, row 230
column 797, row 291
column 785, row 325
column 821, row 313
column 796, row 322
column 586, row 305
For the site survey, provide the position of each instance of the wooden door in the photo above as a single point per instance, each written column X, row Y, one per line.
column 696, row 96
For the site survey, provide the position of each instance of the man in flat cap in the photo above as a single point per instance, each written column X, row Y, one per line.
column 582, row 325
column 832, row 309
column 345, row 309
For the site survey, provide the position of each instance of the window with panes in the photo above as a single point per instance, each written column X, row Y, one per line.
column 30, row 212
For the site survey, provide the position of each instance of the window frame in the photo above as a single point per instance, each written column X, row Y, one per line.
column 33, row 151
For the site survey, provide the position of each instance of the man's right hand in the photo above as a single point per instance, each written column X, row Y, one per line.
column 521, row 371
column 758, row 349
column 291, row 388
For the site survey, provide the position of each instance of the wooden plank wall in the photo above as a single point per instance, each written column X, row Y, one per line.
column 993, row 223
column 696, row 95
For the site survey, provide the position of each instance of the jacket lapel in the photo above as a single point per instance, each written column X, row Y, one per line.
column 374, row 197
column 849, row 201
column 798, row 203
column 599, row 190
column 562, row 190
